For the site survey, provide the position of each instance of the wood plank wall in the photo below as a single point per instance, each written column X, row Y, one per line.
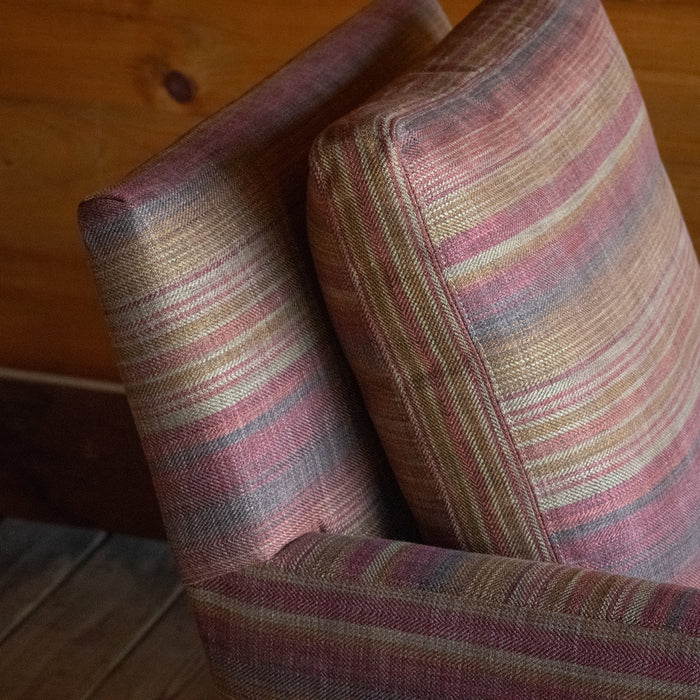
column 90, row 88
column 69, row 452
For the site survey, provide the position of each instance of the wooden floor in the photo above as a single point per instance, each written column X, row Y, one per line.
column 85, row 614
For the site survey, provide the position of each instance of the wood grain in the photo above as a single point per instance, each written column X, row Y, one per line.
column 84, row 616
column 70, row 642
column 90, row 88
column 174, row 657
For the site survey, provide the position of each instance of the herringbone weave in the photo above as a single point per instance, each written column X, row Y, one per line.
column 342, row 617
column 250, row 420
column 513, row 283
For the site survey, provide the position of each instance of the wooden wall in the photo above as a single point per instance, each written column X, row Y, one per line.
column 90, row 88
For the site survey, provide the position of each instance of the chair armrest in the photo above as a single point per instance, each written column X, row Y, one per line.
column 336, row 616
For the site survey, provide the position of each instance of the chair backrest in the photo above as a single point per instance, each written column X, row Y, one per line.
column 250, row 420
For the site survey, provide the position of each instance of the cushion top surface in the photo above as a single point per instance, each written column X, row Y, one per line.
column 513, row 283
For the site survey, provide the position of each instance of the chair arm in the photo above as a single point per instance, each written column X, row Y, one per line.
column 333, row 616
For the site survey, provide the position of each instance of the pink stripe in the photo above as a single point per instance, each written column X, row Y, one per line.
column 185, row 280
column 526, row 212
column 607, row 422
column 164, row 402
column 540, row 269
column 268, row 303
column 637, row 486
column 210, row 427
column 612, row 460
column 540, row 73
column 656, row 324
column 368, row 607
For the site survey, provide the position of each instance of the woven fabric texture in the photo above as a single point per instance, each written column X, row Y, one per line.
column 513, row 283
column 251, row 422
column 345, row 617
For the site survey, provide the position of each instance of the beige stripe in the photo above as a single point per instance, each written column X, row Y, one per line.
column 238, row 382
column 552, row 346
column 527, row 172
column 452, row 654
column 646, row 433
column 475, row 426
column 469, row 271
column 481, row 431
column 588, row 407
column 174, row 236
column 244, row 275
column 450, row 479
column 622, row 307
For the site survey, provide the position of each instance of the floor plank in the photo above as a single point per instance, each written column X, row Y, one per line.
column 173, row 655
column 199, row 687
column 71, row 640
column 34, row 560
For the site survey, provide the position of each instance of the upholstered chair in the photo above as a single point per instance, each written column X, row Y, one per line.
column 311, row 573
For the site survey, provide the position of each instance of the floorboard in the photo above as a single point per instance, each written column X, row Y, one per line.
column 173, row 657
column 34, row 560
column 87, row 615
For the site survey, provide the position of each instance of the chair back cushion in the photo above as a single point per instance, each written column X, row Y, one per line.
column 513, row 283
column 251, row 422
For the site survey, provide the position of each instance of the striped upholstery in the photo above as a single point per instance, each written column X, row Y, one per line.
column 511, row 278
column 270, row 480
column 342, row 617
column 251, row 422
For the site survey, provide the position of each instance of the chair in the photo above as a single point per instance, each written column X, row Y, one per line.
column 299, row 555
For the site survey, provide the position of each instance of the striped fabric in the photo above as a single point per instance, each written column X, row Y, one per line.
column 342, row 617
column 512, row 281
column 250, row 420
